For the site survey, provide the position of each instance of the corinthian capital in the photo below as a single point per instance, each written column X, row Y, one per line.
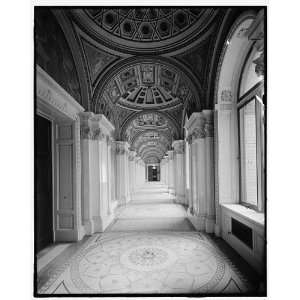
column 98, row 134
column 170, row 154
column 209, row 130
column 178, row 146
column 121, row 147
column 198, row 133
column 86, row 133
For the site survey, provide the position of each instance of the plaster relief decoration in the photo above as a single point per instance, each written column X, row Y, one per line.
column 226, row 96
column 150, row 134
column 260, row 65
column 148, row 84
column 129, row 27
column 53, row 53
column 97, row 59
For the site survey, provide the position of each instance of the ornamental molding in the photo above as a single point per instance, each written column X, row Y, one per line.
column 198, row 133
column 121, row 147
column 226, row 96
column 209, row 129
column 86, row 133
column 178, row 146
column 98, row 135
column 189, row 139
column 53, row 99
column 260, row 65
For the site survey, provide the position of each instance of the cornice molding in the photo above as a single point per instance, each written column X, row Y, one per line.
column 52, row 97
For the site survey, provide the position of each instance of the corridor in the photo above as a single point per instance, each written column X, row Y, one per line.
column 150, row 151
column 151, row 247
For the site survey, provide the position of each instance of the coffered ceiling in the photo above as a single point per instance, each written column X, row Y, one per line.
column 143, row 68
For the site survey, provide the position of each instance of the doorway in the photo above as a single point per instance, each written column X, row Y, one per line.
column 43, row 183
column 153, row 173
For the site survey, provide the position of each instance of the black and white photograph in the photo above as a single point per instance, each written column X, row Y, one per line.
column 150, row 151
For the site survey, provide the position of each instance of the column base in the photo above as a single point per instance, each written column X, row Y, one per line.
column 89, row 227
column 101, row 223
column 197, row 221
column 180, row 199
column 171, row 191
column 210, row 224
column 217, row 230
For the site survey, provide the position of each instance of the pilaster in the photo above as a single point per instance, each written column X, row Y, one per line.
column 179, row 178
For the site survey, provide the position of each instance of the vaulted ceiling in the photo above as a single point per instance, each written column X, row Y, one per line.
column 144, row 68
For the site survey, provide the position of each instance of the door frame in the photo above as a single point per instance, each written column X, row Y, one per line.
column 55, row 104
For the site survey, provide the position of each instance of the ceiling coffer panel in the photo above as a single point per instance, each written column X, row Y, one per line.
column 145, row 30
column 148, row 85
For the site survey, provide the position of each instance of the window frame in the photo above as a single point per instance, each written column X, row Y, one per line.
column 260, row 147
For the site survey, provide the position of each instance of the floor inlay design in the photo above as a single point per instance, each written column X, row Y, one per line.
column 148, row 262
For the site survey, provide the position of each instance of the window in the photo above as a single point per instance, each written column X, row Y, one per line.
column 251, row 140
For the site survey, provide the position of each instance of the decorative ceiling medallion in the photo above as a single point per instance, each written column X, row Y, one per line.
column 144, row 29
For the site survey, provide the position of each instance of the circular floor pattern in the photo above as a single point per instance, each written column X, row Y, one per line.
column 148, row 263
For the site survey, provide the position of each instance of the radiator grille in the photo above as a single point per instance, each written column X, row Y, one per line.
column 242, row 232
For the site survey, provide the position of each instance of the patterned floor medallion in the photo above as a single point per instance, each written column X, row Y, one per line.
column 146, row 259
column 137, row 262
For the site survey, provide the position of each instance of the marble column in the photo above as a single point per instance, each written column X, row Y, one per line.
column 189, row 169
column 179, row 178
column 87, row 165
column 122, row 172
column 132, row 155
column 96, row 132
column 166, row 179
column 209, row 151
column 195, row 128
column 171, row 172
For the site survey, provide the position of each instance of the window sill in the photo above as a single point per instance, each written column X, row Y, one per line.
column 247, row 213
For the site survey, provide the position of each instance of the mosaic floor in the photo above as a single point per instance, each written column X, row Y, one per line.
column 149, row 259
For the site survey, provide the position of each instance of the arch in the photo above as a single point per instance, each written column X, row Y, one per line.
column 132, row 117
column 232, row 57
column 180, row 68
column 230, row 65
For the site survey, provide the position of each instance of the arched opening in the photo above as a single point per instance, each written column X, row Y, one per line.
column 240, row 188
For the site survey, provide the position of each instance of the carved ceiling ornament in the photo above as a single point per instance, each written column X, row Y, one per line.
column 148, row 29
column 141, row 83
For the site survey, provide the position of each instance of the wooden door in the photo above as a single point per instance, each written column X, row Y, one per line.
column 43, row 183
